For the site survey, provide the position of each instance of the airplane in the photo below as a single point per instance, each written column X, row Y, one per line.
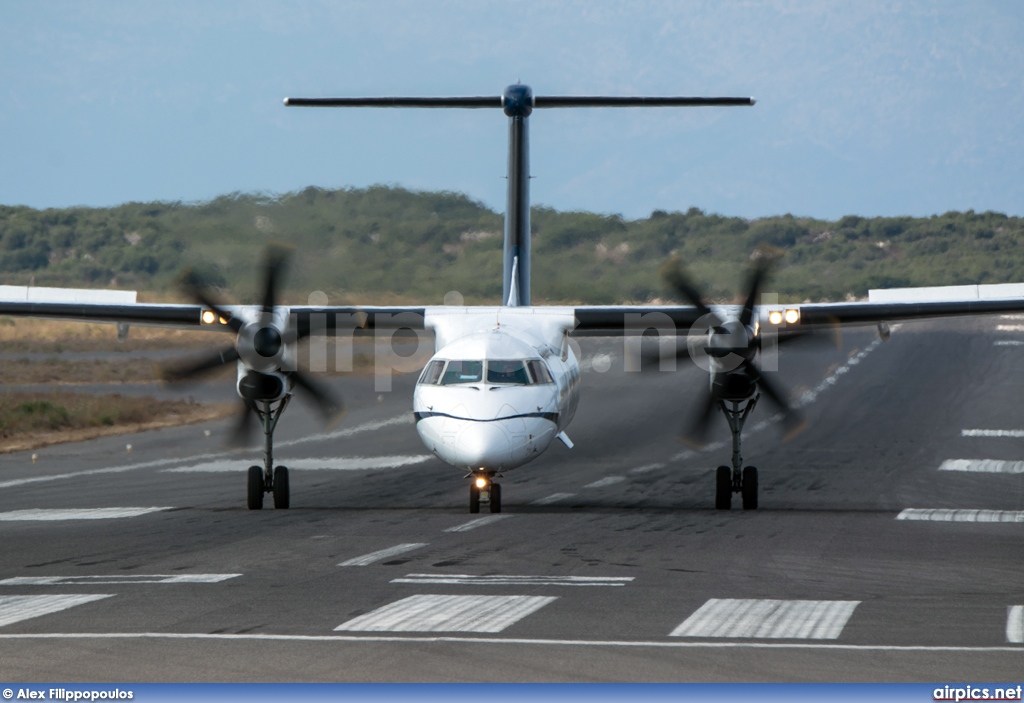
column 503, row 382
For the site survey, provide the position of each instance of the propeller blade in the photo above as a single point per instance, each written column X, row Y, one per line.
column 757, row 277
column 676, row 277
column 194, row 289
column 184, row 371
column 694, row 433
column 241, row 433
column 330, row 407
column 273, row 267
column 793, row 421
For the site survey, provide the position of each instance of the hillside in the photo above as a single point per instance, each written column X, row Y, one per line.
column 386, row 244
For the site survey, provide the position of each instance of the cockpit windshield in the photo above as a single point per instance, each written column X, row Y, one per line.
column 514, row 372
column 462, row 371
column 502, row 371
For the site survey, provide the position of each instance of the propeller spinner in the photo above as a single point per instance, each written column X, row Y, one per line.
column 264, row 346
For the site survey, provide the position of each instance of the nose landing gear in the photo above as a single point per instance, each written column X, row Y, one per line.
column 738, row 479
column 484, row 490
column 268, row 478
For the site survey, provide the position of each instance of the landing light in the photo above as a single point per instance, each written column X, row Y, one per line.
column 792, row 316
column 775, row 317
column 481, row 483
column 209, row 317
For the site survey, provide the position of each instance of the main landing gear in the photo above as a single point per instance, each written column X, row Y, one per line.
column 484, row 490
column 268, row 479
column 736, row 480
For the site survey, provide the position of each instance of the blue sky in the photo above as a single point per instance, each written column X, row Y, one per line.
column 868, row 107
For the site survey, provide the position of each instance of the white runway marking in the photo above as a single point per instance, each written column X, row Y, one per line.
column 992, row 433
column 76, row 514
column 1010, row 328
column 812, row 395
column 354, row 463
column 403, row 419
column 606, row 481
column 1008, row 343
column 16, row 608
column 372, row 557
column 1011, row 317
column 95, row 472
column 448, row 614
column 647, row 467
column 948, row 515
column 119, row 579
column 479, row 522
column 768, row 619
column 553, row 498
column 984, row 466
column 505, row 641
column 498, row 580
column 1015, row 624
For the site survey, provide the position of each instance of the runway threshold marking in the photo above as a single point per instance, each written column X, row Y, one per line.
column 479, row 522
column 46, row 514
column 1010, row 328
column 115, row 579
column 509, row 580
column 17, row 608
column 985, row 466
column 382, row 554
column 768, row 619
column 1015, row 624
column 960, row 515
column 354, row 463
column 433, row 613
column 1008, row 343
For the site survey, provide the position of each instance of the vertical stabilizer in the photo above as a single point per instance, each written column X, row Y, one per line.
column 518, row 104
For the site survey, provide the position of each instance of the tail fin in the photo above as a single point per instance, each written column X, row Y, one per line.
column 518, row 102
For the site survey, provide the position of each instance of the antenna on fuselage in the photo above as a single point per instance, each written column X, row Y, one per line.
column 518, row 101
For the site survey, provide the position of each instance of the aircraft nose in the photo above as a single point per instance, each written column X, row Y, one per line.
column 484, row 445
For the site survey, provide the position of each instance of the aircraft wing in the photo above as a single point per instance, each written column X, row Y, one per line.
column 327, row 320
column 185, row 316
column 889, row 305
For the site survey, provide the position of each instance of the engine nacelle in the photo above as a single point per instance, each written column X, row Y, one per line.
column 734, row 386
column 258, row 386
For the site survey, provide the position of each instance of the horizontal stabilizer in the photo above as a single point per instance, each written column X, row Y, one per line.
column 539, row 101
column 471, row 102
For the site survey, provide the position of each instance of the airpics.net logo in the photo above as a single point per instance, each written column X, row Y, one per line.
column 978, row 693
column 401, row 345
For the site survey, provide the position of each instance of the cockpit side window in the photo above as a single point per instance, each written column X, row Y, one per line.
column 502, row 371
column 432, row 373
column 462, row 371
column 539, row 371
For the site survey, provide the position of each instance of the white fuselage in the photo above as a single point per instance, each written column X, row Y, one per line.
column 502, row 384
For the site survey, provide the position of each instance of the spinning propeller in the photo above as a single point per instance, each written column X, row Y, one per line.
column 264, row 343
column 732, row 347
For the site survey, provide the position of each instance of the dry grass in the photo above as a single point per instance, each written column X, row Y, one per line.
column 18, row 335
column 30, row 420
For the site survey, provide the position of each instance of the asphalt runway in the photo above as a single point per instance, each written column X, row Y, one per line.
column 888, row 545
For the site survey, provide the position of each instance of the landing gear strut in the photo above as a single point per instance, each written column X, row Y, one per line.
column 269, row 479
column 484, row 490
column 736, row 479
